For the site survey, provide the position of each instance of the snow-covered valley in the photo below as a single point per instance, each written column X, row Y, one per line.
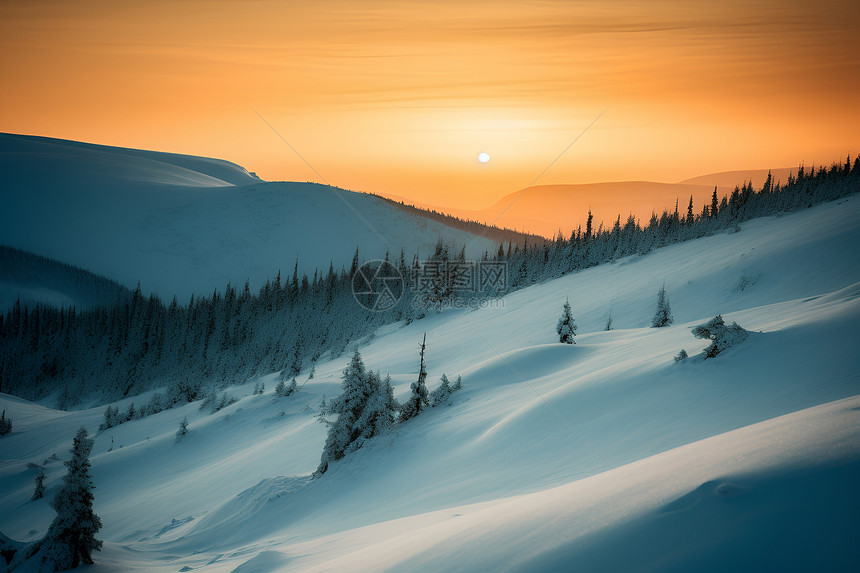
column 600, row 456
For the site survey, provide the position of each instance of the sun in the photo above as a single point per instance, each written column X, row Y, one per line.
column 483, row 157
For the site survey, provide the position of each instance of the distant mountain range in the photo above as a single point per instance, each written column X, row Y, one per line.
column 548, row 209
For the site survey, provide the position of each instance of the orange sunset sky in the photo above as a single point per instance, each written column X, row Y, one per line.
column 399, row 97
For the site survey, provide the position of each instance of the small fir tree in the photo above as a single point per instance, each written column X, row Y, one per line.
column 663, row 315
column 566, row 326
column 183, row 429
column 39, row 491
column 442, row 394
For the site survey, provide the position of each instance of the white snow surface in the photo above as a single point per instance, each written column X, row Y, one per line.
column 605, row 455
column 187, row 225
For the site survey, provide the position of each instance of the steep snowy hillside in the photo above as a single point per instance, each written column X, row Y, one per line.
column 605, row 455
column 183, row 225
column 29, row 279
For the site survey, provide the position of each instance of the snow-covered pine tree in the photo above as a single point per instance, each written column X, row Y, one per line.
column 440, row 395
column 280, row 388
column 722, row 336
column 39, row 490
column 566, row 326
column 419, row 399
column 348, row 407
column 111, row 417
column 682, row 355
column 183, row 429
column 378, row 415
column 663, row 315
column 71, row 540
column 609, row 321
column 5, row 424
column 388, row 390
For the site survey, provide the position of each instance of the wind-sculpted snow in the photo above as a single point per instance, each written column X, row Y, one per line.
column 525, row 364
column 250, row 514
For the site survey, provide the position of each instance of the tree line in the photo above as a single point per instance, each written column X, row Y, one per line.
column 139, row 343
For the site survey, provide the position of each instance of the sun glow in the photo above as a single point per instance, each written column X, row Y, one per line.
column 395, row 98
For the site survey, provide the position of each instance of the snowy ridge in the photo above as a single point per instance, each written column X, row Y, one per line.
column 31, row 279
column 187, row 225
column 551, row 456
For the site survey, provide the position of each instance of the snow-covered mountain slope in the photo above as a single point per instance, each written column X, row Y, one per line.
column 602, row 456
column 32, row 279
column 183, row 225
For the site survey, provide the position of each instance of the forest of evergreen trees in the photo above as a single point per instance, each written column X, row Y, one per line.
column 139, row 342
column 50, row 277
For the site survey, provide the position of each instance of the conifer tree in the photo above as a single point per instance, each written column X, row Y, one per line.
column 71, row 540
column 379, row 413
column 442, row 395
column 588, row 226
column 344, row 431
column 663, row 315
column 419, row 398
column 39, row 490
column 5, row 424
column 566, row 326
column 183, row 429
column 280, row 388
column 721, row 335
